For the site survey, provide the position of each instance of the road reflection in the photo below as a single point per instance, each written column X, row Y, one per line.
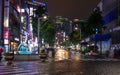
column 61, row 54
column 77, row 56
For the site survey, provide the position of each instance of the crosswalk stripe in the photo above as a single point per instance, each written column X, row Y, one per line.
column 17, row 71
column 99, row 60
column 25, row 68
column 29, row 73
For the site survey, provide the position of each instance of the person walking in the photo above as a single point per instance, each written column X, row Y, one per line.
column 1, row 50
column 115, row 53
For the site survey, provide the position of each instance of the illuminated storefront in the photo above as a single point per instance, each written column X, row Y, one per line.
column 14, row 46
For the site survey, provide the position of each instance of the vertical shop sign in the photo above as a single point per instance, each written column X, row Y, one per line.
column 6, row 25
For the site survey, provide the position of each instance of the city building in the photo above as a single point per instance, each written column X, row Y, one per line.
column 28, row 40
column 1, row 22
column 110, row 10
column 11, row 24
column 15, row 25
column 63, row 28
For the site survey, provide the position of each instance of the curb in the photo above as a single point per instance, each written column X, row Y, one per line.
column 100, row 59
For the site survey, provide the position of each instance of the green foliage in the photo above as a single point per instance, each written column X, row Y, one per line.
column 83, row 25
column 47, row 31
column 35, row 26
column 75, row 37
column 88, row 26
column 94, row 21
column 40, row 10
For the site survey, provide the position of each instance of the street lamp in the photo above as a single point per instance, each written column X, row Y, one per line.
column 76, row 28
column 39, row 40
column 39, row 34
column 80, row 34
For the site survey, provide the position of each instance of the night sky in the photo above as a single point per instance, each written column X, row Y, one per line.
column 71, row 8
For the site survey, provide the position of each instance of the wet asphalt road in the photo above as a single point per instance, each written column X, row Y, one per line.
column 85, row 68
column 64, row 67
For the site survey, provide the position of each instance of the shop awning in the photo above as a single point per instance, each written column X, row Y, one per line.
column 102, row 37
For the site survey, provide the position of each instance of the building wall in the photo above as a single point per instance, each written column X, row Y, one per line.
column 0, row 16
column 1, row 21
column 111, row 12
column 108, row 5
column 119, row 12
column 14, row 25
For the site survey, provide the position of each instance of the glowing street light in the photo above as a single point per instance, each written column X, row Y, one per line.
column 76, row 28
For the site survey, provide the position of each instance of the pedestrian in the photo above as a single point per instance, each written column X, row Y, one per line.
column 118, row 53
column 115, row 53
column 107, row 53
column 1, row 50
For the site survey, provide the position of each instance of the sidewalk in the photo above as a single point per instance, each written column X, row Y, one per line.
column 99, row 57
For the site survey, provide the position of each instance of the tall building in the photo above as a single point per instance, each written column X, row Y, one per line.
column 16, row 22
column 110, row 12
column 12, row 24
column 63, row 29
column 0, row 18
column 1, row 22
column 28, row 8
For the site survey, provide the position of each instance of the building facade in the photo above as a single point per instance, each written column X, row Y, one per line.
column 11, row 24
column 110, row 12
column 63, row 28
column 1, row 22
column 14, row 24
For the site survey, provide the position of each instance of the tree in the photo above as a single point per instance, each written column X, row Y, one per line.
column 47, row 31
column 35, row 26
column 94, row 21
column 40, row 11
column 83, row 25
column 75, row 37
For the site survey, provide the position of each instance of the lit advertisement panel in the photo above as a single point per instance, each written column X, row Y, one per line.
column 6, row 17
column 31, row 11
column 6, row 41
column 6, row 34
column 6, row 25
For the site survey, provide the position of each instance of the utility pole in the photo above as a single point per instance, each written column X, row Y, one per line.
column 39, row 38
column 80, row 35
column 39, row 43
